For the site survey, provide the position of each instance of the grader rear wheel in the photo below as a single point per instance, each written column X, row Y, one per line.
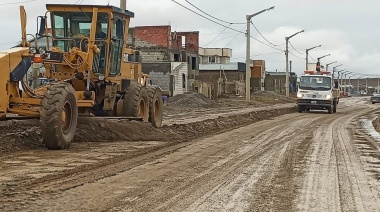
column 155, row 106
column 59, row 116
column 136, row 103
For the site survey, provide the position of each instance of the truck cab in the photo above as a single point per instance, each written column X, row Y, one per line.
column 317, row 91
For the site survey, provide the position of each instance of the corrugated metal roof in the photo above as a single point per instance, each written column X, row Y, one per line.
column 235, row 66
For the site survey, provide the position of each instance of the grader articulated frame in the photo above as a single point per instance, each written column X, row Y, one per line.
column 90, row 68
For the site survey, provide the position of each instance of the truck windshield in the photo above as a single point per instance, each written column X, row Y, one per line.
column 315, row 83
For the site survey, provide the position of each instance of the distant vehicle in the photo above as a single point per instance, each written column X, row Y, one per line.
column 316, row 90
column 375, row 98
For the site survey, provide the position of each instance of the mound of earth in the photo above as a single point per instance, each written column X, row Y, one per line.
column 190, row 100
column 271, row 96
column 17, row 135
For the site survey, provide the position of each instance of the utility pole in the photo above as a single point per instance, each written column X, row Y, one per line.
column 358, row 86
column 248, row 55
column 123, row 4
column 307, row 54
column 287, row 62
column 378, row 84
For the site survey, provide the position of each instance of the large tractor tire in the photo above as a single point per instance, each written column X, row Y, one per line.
column 136, row 103
column 155, row 106
column 59, row 116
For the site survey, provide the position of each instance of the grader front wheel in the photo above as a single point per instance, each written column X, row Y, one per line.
column 59, row 116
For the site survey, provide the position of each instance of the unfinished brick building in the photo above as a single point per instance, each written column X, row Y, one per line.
column 170, row 58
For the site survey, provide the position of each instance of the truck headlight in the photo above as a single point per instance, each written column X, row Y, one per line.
column 328, row 96
column 299, row 95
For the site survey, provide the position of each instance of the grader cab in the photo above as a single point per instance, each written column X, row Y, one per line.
column 92, row 72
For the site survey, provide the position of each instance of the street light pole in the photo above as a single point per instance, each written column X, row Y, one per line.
column 307, row 54
column 327, row 65
column 287, row 62
column 123, row 4
column 248, row 56
column 334, row 71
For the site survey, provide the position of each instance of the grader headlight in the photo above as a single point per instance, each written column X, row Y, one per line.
column 32, row 50
column 42, row 50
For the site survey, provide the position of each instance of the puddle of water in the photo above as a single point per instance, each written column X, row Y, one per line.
column 369, row 129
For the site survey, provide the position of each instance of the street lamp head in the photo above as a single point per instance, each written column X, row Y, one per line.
column 270, row 8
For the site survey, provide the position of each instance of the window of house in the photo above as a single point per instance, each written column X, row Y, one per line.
column 212, row 59
column 176, row 57
column 193, row 63
column 183, row 81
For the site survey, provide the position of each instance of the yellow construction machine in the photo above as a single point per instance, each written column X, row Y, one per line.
column 91, row 72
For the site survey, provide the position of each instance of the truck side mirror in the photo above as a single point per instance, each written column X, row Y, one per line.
column 42, row 25
column 119, row 28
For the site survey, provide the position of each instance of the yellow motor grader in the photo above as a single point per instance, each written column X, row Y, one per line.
column 91, row 71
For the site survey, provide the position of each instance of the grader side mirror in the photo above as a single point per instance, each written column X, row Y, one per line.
column 119, row 28
column 42, row 25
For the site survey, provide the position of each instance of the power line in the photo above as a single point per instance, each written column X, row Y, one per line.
column 226, row 45
column 296, row 49
column 19, row 2
column 215, row 37
column 296, row 55
column 263, row 36
column 211, row 15
column 224, row 25
column 312, row 57
column 207, row 17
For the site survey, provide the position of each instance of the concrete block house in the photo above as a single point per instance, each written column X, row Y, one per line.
column 170, row 59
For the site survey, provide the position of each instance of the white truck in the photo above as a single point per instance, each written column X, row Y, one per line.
column 317, row 91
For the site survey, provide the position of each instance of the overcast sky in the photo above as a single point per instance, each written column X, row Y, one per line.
column 346, row 29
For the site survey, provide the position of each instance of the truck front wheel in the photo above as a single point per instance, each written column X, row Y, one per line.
column 330, row 109
column 334, row 106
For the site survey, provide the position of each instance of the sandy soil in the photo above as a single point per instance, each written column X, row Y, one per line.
column 255, row 161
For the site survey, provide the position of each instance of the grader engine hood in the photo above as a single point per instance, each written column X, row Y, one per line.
column 18, row 65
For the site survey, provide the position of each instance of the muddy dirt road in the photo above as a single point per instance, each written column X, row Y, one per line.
column 295, row 162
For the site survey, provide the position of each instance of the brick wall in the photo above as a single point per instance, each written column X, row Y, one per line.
column 191, row 41
column 213, row 76
column 150, row 36
column 154, row 56
column 159, row 74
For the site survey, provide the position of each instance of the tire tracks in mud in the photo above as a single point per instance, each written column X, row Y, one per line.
column 79, row 176
column 335, row 179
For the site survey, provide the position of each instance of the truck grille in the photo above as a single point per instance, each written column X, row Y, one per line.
column 316, row 101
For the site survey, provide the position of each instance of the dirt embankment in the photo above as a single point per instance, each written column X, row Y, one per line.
column 18, row 135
